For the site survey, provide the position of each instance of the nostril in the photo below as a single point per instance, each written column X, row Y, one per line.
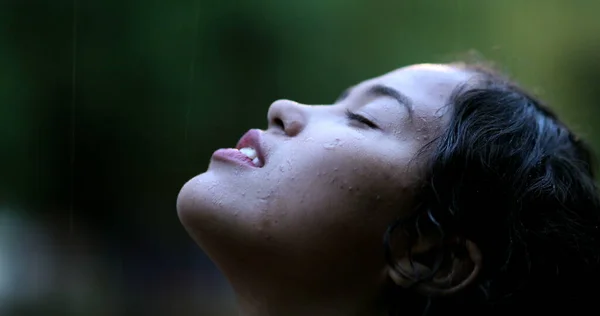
column 279, row 123
column 286, row 117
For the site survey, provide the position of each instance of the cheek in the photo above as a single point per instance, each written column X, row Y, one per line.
column 327, row 193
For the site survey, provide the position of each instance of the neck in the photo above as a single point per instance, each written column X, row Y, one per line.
column 301, row 309
column 272, row 300
column 294, row 292
column 269, row 282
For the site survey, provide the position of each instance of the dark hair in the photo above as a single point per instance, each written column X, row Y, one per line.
column 509, row 176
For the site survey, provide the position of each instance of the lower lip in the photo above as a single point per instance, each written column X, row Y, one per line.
column 233, row 155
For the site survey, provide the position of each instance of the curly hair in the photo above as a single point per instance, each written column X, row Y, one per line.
column 509, row 176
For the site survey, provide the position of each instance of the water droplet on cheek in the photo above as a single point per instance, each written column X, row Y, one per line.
column 333, row 144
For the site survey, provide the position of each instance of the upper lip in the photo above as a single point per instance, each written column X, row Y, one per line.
column 252, row 139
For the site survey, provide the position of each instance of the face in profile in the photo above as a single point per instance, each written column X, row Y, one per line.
column 310, row 197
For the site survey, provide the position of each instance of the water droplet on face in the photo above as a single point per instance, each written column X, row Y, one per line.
column 333, row 144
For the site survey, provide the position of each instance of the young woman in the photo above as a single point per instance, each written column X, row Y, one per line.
column 433, row 188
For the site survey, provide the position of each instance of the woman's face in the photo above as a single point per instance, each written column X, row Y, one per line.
column 329, row 182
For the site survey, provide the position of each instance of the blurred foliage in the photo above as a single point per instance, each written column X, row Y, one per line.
column 108, row 107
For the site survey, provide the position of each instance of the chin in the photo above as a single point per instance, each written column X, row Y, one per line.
column 197, row 201
column 210, row 211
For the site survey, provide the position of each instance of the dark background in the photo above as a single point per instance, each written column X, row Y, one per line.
column 108, row 107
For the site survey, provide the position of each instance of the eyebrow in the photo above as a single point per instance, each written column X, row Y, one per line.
column 385, row 91
column 380, row 90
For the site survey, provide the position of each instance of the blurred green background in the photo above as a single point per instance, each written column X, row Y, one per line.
column 108, row 107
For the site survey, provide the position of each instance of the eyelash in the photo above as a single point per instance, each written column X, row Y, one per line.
column 361, row 119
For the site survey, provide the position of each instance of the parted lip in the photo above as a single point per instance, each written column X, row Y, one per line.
column 252, row 139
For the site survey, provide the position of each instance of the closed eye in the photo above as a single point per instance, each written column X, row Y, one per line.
column 361, row 119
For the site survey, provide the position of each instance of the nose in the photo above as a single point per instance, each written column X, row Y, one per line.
column 287, row 116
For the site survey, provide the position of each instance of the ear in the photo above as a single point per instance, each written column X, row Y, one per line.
column 438, row 271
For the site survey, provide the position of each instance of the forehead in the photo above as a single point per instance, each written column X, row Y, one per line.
column 429, row 86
